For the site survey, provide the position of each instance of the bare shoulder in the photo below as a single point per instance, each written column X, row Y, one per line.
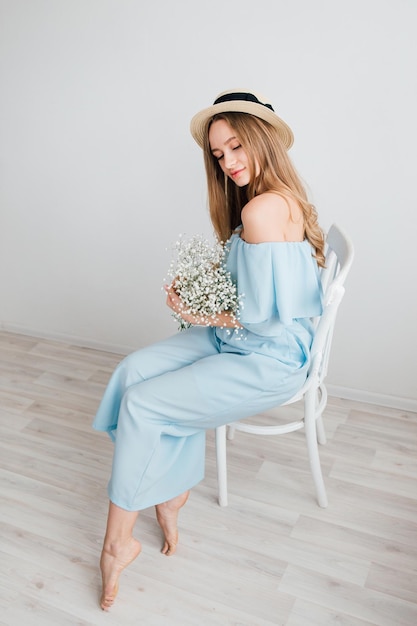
column 270, row 217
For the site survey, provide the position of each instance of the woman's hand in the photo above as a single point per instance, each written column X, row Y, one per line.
column 177, row 305
column 224, row 319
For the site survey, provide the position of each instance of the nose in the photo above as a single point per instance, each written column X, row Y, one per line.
column 230, row 159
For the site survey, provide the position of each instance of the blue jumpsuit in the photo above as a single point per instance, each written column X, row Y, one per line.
column 161, row 399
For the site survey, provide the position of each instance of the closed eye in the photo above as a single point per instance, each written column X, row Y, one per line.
column 220, row 157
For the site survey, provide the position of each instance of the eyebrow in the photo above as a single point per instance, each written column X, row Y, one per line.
column 225, row 143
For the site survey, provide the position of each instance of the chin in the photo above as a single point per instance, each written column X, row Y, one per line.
column 241, row 183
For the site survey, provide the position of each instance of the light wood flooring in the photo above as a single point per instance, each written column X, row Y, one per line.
column 271, row 557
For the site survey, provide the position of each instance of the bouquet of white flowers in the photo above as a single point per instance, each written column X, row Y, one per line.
column 199, row 277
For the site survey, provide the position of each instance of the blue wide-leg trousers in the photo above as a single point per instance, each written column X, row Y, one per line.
column 161, row 399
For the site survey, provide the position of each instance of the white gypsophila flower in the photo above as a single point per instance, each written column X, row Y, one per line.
column 200, row 278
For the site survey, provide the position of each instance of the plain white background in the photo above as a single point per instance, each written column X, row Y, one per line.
column 99, row 174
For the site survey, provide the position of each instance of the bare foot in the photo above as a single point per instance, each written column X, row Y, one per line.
column 167, row 515
column 114, row 559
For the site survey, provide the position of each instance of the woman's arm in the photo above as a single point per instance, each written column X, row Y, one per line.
column 224, row 319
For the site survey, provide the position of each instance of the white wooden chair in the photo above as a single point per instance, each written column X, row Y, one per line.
column 339, row 257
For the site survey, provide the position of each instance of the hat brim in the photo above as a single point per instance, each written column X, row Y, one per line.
column 199, row 122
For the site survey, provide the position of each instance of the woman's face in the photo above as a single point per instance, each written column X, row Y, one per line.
column 225, row 147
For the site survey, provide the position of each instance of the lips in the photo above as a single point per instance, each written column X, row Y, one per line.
column 236, row 172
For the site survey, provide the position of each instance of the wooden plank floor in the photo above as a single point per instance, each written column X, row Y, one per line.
column 271, row 557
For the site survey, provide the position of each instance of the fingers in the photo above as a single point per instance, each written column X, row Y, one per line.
column 173, row 300
column 177, row 305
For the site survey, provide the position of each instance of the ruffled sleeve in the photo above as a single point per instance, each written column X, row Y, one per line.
column 278, row 283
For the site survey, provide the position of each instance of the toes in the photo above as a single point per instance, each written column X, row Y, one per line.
column 169, row 548
column 107, row 599
column 107, row 602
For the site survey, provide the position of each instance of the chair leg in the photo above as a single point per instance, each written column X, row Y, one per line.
column 221, row 464
column 312, row 446
column 231, row 431
column 321, row 433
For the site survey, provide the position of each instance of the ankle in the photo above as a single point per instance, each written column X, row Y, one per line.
column 114, row 545
column 174, row 504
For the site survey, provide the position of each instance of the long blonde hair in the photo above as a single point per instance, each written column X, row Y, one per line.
column 263, row 146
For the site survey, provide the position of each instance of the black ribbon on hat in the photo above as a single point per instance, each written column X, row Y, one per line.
column 249, row 97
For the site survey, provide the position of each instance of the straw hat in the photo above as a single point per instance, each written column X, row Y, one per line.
column 242, row 102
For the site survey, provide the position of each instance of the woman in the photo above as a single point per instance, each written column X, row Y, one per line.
column 161, row 399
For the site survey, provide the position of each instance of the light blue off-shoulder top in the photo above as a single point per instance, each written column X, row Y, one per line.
column 280, row 291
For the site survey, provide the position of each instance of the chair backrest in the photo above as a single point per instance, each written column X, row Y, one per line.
column 339, row 258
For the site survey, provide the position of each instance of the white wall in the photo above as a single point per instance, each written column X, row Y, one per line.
column 99, row 173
